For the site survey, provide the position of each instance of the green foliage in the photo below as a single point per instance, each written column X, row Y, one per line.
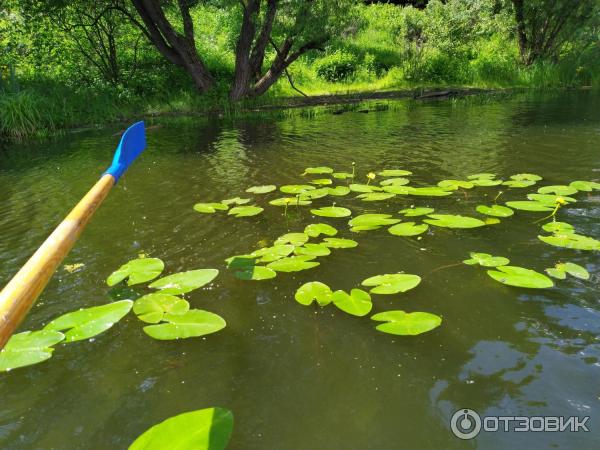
column 336, row 66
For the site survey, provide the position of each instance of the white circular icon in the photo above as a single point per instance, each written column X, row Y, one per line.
column 465, row 424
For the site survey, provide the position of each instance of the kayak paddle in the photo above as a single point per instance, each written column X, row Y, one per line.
column 20, row 293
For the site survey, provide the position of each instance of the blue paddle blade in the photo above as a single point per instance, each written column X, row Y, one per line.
column 133, row 142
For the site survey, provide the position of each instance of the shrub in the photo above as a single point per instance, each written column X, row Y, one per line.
column 336, row 66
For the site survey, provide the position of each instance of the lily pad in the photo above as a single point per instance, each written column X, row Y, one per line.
column 398, row 190
column 151, row 308
column 256, row 273
column 518, row 183
column 137, row 271
column 314, row 291
column 245, row 211
column 338, row 191
column 89, row 322
column 495, row 210
column 183, row 282
column 392, row 283
column 355, row 187
column 371, row 221
column 205, row 429
column 528, row 205
column 265, row 189
column 322, row 181
column 585, row 186
column 550, row 199
column 277, row 251
column 454, row 221
column 455, row 184
column 289, row 201
column 395, row 182
column 293, row 263
column 430, row 191
column 491, row 220
column 194, row 323
column 571, row 240
column 394, row 173
column 331, row 211
column 318, row 170
column 316, row 229
column 526, row 177
column 408, row 229
column 486, row 260
column 296, row 239
column 312, row 250
column 236, row 201
column 342, row 175
column 357, row 302
column 558, row 190
column 406, row 324
column 210, row 208
column 558, row 227
column 520, row 277
column 339, row 243
column 314, row 194
column 28, row 348
column 296, row 188
column 484, row 182
column 375, row 196
column 561, row 270
column 482, row 176
column 415, row 212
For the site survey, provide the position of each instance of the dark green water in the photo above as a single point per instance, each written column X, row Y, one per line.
column 307, row 378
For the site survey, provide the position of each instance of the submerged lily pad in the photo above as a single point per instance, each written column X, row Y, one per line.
column 152, row 307
column 89, row 322
column 454, row 221
column 256, row 273
column 338, row 191
column 194, row 323
column 482, row 176
column 137, row 270
column 455, row 184
column 526, row 177
column 392, row 283
column 365, row 222
column 394, row 173
column 430, row 191
column 316, row 229
column 561, row 270
column 293, row 263
column 484, row 182
column 339, row 243
column 183, row 282
column 414, row 212
column 357, row 302
column 289, row 201
column 375, row 196
column 331, row 211
column 408, row 229
column 245, row 211
column 395, row 182
column 265, row 189
column 558, row 227
column 520, row 277
column 314, row 290
column 557, row 190
column 28, row 348
column 571, row 240
column 296, row 188
column 528, row 205
column 495, row 210
column 295, row 239
column 318, row 170
column 486, row 260
column 204, row 429
column 312, row 250
column 210, row 208
column 406, row 324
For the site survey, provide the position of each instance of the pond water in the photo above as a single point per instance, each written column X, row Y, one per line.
column 300, row 377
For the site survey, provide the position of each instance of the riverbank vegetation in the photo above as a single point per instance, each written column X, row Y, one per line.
column 68, row 64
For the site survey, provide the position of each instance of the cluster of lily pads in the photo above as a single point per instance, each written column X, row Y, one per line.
column 169, row 316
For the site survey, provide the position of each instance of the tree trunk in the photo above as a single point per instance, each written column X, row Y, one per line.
column 521, row 33
column 243, row 47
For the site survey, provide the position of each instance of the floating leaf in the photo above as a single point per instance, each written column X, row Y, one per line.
column 414, row 212
column 550, row 200
column 482, row 176
column 518, row 183
column 371, row 221
column 558, row 227
column 194, row 323
column 312, row 250
column 392, row 283
column 338, row 191
column 375, row 196
column 318, row 170
column 289, row 201
column 256, row 273
column 205, row 429
column 262, row 189
column 241, row 261
column 520, row 277
column 314, row 290
column 491, row 221
column 28, row 348
column 322, row 181
column 269, row 254
column 339, row 243
column 575, row 270
column 183, row 282
column 558, row 190
column 296, row 239
column 331, row 211
column 394, row 173
column 486, row 260
column 137, row 270
column 89, row 322
column 556, row 273
column 342, row 175
column 455, row 184
column 408, row 229
column 316, row 229
column 454, row 221
column 484, row 182
column 398, row 190
column 209, row 208
column 495, row 210
column 245, row 211
column 293, row 263
column 430, row 191
column 315, row 194
column 395, row 182
column 585, row 186
column 525, row 205
column 152, row 307
column 357, row 303
column 571, row 240
column 236, row 201
column 355, row 187
column 296, row 188
column 526, row 177
column 406, row 324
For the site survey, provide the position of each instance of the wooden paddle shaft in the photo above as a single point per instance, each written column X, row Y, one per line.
column 20, row 293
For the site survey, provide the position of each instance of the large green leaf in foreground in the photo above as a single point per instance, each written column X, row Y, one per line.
column 357, row 302
column 453, row 221
column 520, row 277
column 392, row 283
column 194, row 323
column 183, row 282
column 406, row 324
column 571, row 240
column 27, row 348
column 137, row 270
column 314, row 290
column 205, row 429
